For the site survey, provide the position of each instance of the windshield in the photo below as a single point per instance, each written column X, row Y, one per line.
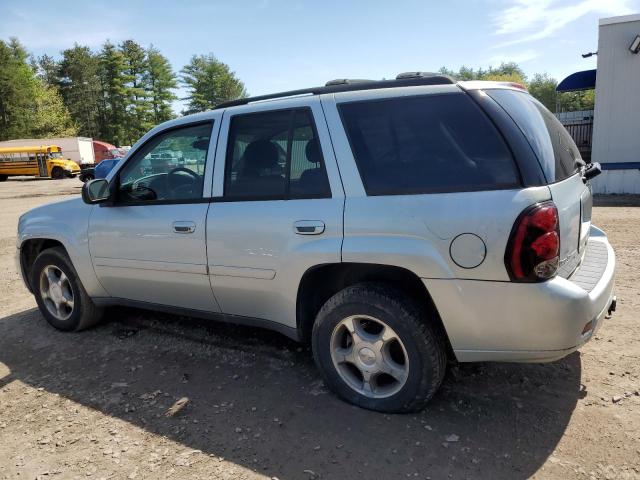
column 55, row 155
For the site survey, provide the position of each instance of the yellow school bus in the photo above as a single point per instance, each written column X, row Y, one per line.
column 43, row 161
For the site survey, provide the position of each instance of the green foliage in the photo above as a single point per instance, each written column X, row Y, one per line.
column 114, row 91
column 543, row 88
column 28, row 107
column 209, row 82
column 575, row 101
column 506, row 72
column 79, row 83
column 138, row 107
column 51, row 119
column 161, row 82
column 115, row 94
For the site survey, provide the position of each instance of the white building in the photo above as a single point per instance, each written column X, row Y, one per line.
column 616, row 128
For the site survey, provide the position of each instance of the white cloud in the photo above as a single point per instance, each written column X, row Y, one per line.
column 529, row 20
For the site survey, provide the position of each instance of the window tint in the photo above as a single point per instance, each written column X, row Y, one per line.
column 426, row 144
column 170, row 166
column 552, row 144
column 274, row 155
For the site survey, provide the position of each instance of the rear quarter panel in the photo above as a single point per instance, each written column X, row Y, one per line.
column 416, row 231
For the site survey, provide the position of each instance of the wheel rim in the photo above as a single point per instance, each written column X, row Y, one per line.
column 56, row 292
column 369, row 356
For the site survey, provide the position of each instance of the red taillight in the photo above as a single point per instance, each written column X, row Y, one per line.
column 533, row 252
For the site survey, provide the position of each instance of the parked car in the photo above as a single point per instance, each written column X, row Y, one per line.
column 394, row 225
column 87, row 173
column 103, row 169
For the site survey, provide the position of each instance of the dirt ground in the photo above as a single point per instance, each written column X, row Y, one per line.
column 91, row 405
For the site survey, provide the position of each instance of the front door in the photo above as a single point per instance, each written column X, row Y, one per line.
column 150, row 246
column 277, row 208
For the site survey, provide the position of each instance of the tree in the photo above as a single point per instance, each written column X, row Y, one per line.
column 543, row 88
column 28, row 107
column 138, row 106
column 160, row 81
column 114, row 93
column 81, row 90
column 51, row 119
column 16, row 89
column 47, row 70
column 209, row 82
column 576, row 101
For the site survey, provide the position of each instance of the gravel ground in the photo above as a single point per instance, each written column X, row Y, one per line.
column 92, row 405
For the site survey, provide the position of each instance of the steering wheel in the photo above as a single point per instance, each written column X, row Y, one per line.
column 185, row 188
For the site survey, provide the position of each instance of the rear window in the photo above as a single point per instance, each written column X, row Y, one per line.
column 435, row 143
column 557, row 152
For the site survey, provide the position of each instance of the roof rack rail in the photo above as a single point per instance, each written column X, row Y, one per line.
column 346, row 81
column 403, row 75
column 346, row 86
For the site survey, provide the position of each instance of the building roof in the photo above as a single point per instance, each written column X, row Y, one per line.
column 621, row 19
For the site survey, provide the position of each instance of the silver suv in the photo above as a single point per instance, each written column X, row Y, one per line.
column 394, row 224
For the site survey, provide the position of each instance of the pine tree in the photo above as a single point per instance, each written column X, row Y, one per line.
column 80, row 88
column 114, row 91
column 48, row 70
column 160, row 81
column 139, row 110
column 209, row 82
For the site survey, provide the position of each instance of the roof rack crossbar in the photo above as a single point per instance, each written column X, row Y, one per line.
column 344, row 87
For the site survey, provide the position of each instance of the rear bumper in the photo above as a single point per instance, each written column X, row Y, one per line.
column 538, row 322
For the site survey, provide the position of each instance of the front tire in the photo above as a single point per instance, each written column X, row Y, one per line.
column 3, row 178
column 57, row 173
column 377, row 349
column 60, row 296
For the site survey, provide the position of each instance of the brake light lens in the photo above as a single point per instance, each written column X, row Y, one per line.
column 533, row 252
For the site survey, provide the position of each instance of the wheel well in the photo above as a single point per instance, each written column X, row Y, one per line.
column 320, row 283
column 29, row 251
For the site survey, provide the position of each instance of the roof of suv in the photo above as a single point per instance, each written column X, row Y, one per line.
column 409, row 79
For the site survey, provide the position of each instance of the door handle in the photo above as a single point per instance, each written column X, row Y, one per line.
column 184, row 227
column 308, row 227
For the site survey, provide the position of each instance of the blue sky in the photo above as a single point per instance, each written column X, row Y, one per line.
column 277, row 45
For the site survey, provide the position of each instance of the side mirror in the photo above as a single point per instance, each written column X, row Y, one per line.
column 95, row 191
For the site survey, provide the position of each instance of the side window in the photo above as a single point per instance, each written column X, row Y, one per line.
column 554, row 147
column 274, row 155
column 170, row 166
column 427, row 144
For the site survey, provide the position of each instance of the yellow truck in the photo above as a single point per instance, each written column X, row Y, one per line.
column 45, row 161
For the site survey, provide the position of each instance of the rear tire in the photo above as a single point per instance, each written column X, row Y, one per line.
column 3, row 178
column 62, row 299
column 376, row 332
column 57, row 173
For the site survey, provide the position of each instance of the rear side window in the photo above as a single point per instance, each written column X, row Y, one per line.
column 435, row 143
column 557, row 152
column 274, row 155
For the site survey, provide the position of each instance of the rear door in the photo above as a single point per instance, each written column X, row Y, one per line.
column 562, row 164
column 277, row 207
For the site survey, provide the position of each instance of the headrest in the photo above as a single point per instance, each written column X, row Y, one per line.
column 312, row 151
column 259, row 155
